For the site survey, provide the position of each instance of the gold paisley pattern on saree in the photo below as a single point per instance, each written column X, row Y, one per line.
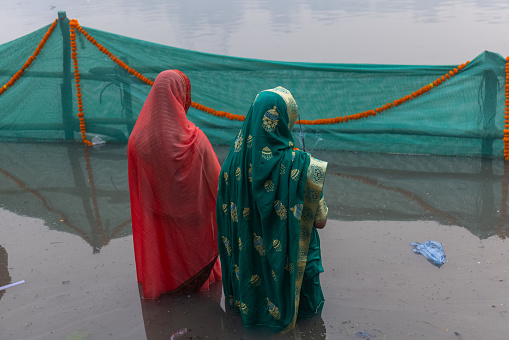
column 241, row 246
column 238, row 173
column 273, row 310
column 280, row 210
column 233, row 211
column 295, row 174
column 250, row 173
column 226, row 178
column 226, row 243
column 249, row 142
column 237, row 272
column 276, row 244
column 246, row 213
column 274, row 276
column 238, row 142
column 267, row 153
column 255, row 280
column 282, row 169
column 297, row 211
column 225, row 208
column 270, row 120
column 243, row 308
column 316, row 172
column 258, row 244
column 291, row 106
column 269, row 186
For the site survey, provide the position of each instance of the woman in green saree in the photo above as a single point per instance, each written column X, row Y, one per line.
column 269, row 204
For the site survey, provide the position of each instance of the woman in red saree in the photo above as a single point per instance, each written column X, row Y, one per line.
column 173, row 175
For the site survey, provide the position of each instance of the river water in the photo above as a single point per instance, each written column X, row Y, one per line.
column 364, row 31
column 65, row 214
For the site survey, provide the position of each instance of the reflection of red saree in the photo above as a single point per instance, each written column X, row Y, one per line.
column 173, row 175
column 5, row 278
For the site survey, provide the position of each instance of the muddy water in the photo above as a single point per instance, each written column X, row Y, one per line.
column 65, row 230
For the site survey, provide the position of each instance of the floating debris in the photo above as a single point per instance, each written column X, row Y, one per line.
column 431, row 250
column 178, row 333
column 12, row 284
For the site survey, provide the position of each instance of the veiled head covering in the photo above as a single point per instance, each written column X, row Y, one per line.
column 173, row 173
column 265, row 211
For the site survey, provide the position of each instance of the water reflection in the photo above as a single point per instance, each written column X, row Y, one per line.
column 203, row 315
column 84, row 191
column 366, row 31
column 5, row 278
column 78, row 190
column 463, row 191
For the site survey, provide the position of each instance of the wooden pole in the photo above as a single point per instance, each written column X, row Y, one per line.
column 66, row 87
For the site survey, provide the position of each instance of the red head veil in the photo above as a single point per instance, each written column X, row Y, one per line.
column 173, row 175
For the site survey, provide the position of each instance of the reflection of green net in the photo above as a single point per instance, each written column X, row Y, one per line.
column 463, row 116
column 84, row 190
column 80, row 190
column 469, row 192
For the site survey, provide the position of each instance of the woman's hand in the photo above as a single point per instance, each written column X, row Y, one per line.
column 320, row 225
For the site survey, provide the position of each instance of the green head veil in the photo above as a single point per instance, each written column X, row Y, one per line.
column 263, row 213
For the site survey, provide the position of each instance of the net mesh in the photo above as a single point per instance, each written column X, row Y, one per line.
column 462, row 116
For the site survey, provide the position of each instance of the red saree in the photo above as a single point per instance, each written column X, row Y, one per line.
column 173, row 174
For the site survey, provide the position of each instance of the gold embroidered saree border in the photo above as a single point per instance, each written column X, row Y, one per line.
column 313, row 190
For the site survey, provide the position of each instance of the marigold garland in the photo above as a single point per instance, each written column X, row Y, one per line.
column 390, row 105
column 74, row 25
column 81, row 116
column 110, row 55
column 228, row 115
column 30, row 60
column 347, row 118
column 506, row 116
column 231, row 116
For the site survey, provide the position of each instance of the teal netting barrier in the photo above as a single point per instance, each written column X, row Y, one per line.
column 462, row 116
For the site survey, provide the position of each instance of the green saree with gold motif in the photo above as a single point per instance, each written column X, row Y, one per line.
column 269, row 197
